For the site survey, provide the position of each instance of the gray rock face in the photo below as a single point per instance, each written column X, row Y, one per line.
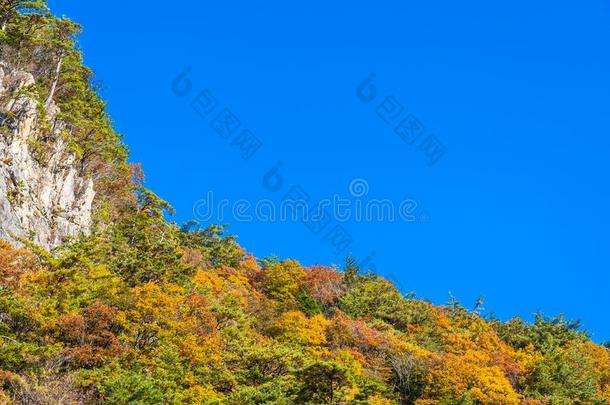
column 44, row 196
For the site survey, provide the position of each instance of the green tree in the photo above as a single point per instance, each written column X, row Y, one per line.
column 564, row 376
column 10, row 8
column 321, row 383
column 377, row 298
column 351, row 272
column 216, row 248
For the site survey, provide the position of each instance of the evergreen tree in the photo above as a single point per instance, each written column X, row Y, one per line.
column 351, row 271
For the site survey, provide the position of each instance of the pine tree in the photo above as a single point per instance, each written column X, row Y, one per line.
column 351, row 271
column 10, row 8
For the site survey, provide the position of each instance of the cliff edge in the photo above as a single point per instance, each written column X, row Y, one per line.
column 45, row 195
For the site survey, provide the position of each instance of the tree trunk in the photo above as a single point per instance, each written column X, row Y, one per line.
column 6, row 16
column 55, row 80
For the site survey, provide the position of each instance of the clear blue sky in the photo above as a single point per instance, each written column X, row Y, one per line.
column 518, row 92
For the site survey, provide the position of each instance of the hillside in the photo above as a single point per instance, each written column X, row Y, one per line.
column 103, row 300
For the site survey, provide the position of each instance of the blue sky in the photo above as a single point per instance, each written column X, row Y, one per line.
column 517, row 92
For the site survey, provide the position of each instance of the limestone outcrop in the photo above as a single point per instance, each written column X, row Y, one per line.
column 45, row 196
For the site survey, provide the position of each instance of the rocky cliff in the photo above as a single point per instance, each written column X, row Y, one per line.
column 44, row 195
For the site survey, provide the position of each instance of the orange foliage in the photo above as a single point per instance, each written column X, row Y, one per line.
column 13, row 263
column 324, row 284
column 89, row 337
column 294, row 326
column 470, row 375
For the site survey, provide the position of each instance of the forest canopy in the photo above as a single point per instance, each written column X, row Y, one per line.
column 145, row 311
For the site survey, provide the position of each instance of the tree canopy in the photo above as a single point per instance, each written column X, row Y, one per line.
column 144, row 311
